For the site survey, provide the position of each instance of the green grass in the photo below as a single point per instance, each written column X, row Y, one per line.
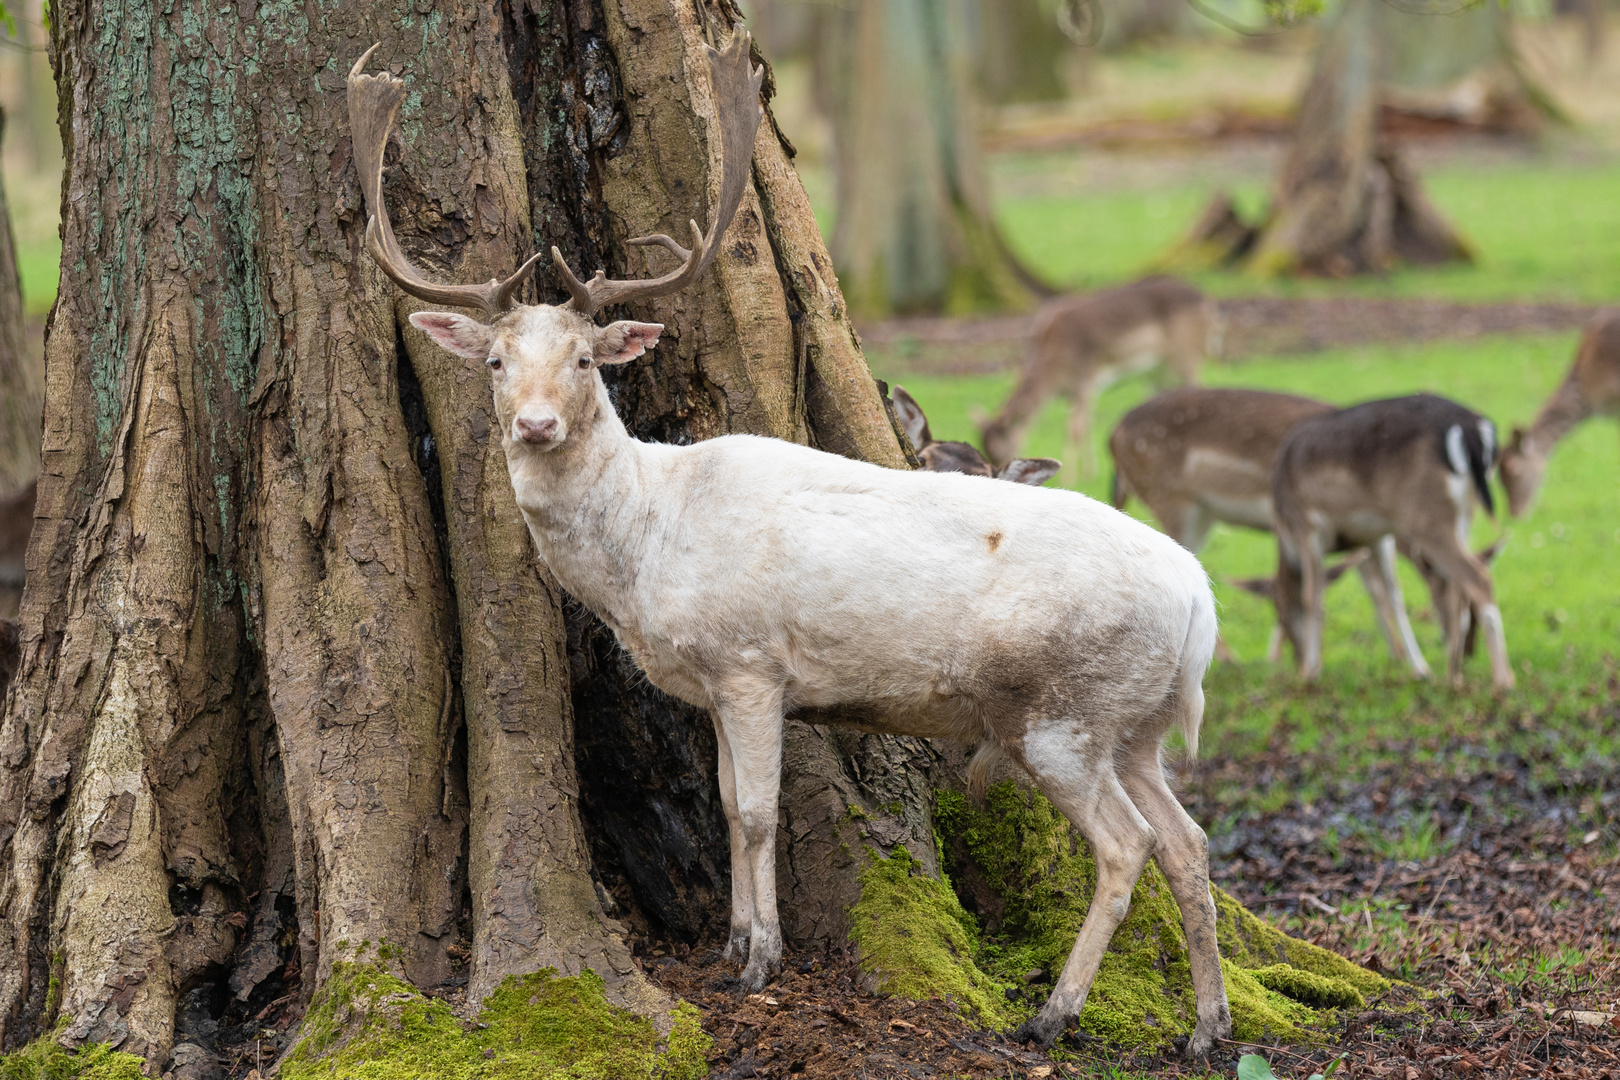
column 1541, row 230
column 1558, row 578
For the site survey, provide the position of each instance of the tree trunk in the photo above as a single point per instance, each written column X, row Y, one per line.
column 1344, row 202
column 914, row 230
column 293, row 688
column 1019, row 51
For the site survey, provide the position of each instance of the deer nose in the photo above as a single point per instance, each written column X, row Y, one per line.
column 536, row 432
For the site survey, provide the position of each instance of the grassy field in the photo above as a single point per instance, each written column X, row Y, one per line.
column 1558, row 576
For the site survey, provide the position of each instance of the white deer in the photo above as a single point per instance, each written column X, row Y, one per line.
column 759, row 579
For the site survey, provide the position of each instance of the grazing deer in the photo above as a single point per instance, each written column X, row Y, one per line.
column 1403, row 470
column 1082, row 344
column 1592, row 387
column 759, row 579
column 16, row 526
column 936, row 456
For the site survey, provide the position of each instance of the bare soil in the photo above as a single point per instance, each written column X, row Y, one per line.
column 1255, row 326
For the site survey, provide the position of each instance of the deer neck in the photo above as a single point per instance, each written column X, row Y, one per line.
column 588, row 506
column 1558, row 416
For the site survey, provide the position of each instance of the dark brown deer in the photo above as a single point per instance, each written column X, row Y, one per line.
column 1082, row 344
column 1591, row 388
column 1404, row 470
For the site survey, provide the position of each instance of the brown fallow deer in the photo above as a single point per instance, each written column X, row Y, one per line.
column 948, row 456
column 1404, row 470
column 1083, row 344
column 1197, row 456
column 1591, row 388
column 760, row 580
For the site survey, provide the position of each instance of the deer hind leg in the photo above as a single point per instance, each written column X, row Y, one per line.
column 1312, row 586
column 1378, row 575
column 1077, row 444
column 1078, row 776
column 752, row 729
column 1469, row 581
column 1182, row 851
column 742, row 879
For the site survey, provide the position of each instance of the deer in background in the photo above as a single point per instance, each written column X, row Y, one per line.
column 1592, row 387
column 1404, row 470
column 937, row 456
column 1082, row 344
column 760, row 579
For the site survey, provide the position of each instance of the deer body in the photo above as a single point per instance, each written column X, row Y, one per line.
column 1196, row 456
column 1403, row 471
column 1082, row 344
column 759, row 579
column 1591, row 388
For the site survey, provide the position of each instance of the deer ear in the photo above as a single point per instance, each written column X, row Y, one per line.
column 1516, row 441
column 912, row 420
column 621, row 342
column 1033, row 471
column 461, row 335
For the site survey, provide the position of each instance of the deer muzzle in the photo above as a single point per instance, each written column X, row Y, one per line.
column 538, row 431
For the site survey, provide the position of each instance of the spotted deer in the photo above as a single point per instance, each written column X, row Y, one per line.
column 1401, row 471
column 760, row 580
column 1591, row 388
column 937, row 456
column 1080, row 345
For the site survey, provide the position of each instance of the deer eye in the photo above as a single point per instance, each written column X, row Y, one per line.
column 494, row 363
column 584, row 362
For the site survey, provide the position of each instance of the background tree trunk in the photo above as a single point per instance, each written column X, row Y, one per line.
column 293, row 688
column 914, row 230
column 1344, row 201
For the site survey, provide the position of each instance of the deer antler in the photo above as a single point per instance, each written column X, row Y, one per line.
column 373, row 105
column 736, row 97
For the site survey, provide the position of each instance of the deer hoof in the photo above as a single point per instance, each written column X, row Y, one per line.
column 1038, row 1029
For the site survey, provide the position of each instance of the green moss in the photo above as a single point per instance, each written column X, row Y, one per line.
column 45, row 1059
column 916, row 941
column 367, row 1024
column 1317, row 991
column 1023, row 849
column 1251, row 942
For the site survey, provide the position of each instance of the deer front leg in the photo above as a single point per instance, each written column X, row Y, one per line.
column 751, row 726
column 742, row 877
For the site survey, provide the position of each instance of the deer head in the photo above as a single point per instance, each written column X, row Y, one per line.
column 960, row 457
column 1522, row 468
column 543, row 358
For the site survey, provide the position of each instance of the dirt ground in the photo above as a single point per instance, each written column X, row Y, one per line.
column 1505, row 936
column 1255, row 326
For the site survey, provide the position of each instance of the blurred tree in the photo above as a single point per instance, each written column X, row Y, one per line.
column 1344, row 202
column 1019, row 51
column 914, row 230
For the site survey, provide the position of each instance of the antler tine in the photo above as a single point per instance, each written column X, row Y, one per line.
column 736, row 95
column 374, row 102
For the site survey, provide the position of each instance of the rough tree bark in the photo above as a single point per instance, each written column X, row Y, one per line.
column 914, row 230
column 293, row 689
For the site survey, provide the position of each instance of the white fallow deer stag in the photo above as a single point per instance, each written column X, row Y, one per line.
column 1591, row 388
column 1402, row 471
column 759, row 579
column 937, row 455
column 1082, row 344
